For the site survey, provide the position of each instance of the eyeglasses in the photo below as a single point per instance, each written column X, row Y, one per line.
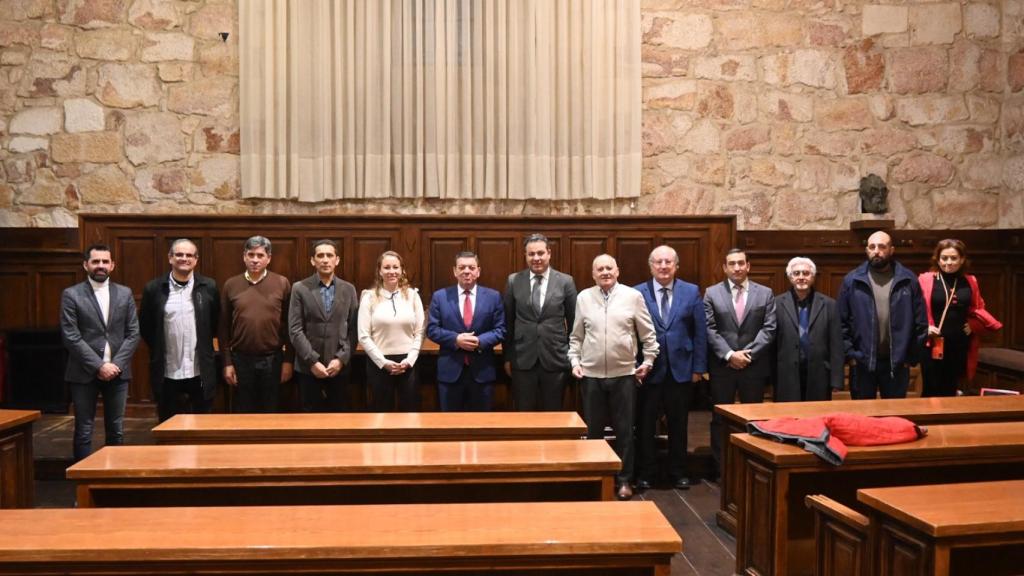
column 801, row 273
column 184, row 255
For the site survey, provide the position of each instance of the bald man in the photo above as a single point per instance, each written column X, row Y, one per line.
column 883, row 319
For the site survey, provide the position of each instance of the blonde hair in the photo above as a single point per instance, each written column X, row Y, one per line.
column 378, row 281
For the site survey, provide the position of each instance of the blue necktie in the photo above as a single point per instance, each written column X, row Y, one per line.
column 664, row 304
column 804, row 313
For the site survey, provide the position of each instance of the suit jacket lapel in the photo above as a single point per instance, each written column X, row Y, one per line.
column 652, row 296
column 816, row 305
column 785, row 302
column 526, row 292
column 90, row 295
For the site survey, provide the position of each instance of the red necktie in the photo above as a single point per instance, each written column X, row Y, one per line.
column 467, row 318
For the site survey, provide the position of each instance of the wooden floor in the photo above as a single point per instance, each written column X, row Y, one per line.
column 708, row 550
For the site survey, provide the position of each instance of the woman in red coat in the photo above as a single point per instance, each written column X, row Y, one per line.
column 956, row 316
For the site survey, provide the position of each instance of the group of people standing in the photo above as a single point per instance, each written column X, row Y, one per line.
column 638, row 351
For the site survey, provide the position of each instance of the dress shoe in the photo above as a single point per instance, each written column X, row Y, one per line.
column 681, row 483
column 625, row 492
column 642, row 485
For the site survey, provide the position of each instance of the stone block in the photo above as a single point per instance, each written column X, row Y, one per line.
column 153, row 137
column 745, row 106
column 23, row 33
column 12, row 219
column 95, row 147
column 22, row 144
column 925, row 168
column 709, row 170
column 175, row 71
column 679, row 198
column 787, row 107
column 162, row 182
column 1013, row 124
column 981, row 20
column 883, row 19
column 888, row 141
column 58, row 217
column 840, row 144
column 785, row 138
column 755, row 138
column 964, row 66
column 845, row 114
column 934, row 23
column 6, row 196
column 703, row 138
column 965, row 209
column 217, row 139
column 128, row 85
column 83, row 115
column 20, row 169
column 211, row 20
column 992, row 71
column 206, row 97
column 45, row 191
column 1015, row 72
column 1013, row 173
column 982, row 173
column 739, row 31
column 925, row 110
column 735, row 67
column 864, row 67
column 826, row 34
column 715, row 101
column 1013, row 21
column 657, row 61
column 798, row 209
column 108, row 45
column 918, row 70
column 154, row 15
column 775, row 69
column 674, row 93
column 677, row 30
column 40, row 121
column 812, row 173
column 107, row 185
column 92, row 13
column 164, row 46
column 770, row 171
column 951, row 140
column 26, row 9
column 14, row 56
column 984, row 109
column 55, row 37
column 814, row 68
column 753, row 207
column 662, row 130
column 218, row 175
column 881, row 106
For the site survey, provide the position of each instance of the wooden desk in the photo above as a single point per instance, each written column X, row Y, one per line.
column 919, row 410
column 379, row 472
column 369, row 427
column 566, row 537
column 946, row 529
column 775, row 529
column 17, row 469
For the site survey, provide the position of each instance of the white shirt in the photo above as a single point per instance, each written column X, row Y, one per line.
column 101, row 290
column 180, row 331
column 543, row 285
column 462, row 300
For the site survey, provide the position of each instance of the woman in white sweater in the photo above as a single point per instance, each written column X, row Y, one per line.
column 391, row 331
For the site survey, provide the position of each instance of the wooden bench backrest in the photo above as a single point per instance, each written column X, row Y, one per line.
column 841, row 538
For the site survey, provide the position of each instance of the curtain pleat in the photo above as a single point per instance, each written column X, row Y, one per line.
column 450, row 99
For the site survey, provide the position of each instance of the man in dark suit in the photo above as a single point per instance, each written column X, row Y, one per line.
column 540, row 305
column 322, row 321
column 178, row 320
column 467, row 321
column 741, row 330
column 809, row 339
column 101, row 332
column 679, row 321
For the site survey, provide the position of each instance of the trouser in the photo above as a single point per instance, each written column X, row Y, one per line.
column 169, row 402
column 84, row 396
column 259, row 382
column 724, row 387
column 384, row 387
column 675, row 399
column 612, row 399
column 465, row 394
column 538, row 389
column 893, row 383
column 322, row 394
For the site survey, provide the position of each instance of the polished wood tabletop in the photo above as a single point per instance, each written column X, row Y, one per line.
column 348, row 459
column 978, row 440
column 948, row 510
column 497, row 533
column 368, row 427
column 14, row 418
column 920, row 410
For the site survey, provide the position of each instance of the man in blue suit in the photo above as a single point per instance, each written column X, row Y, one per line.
column 466, row 321
column 679, row 321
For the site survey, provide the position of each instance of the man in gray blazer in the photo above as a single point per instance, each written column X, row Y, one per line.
column 540, row 306
column 100, row 330
column 741, row 330
column 322, row 319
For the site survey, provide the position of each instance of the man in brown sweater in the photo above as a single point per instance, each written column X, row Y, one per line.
column 254, row 331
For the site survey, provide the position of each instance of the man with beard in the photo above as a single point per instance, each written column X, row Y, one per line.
column 100, row 331
column 882, row 315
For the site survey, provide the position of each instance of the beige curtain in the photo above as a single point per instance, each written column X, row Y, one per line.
column 467, row 99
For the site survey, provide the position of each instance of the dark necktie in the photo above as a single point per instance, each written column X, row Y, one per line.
column 664, row 304
column 804, row 313
column 535, row 293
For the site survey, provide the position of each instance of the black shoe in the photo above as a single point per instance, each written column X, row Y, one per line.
column 681, row 483
column 625, row 492
column 644, row 485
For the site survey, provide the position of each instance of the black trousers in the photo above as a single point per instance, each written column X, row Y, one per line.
column 614, row 400
column 724, row 388
column 866, row 385
column 259, row 382
column 323, row 394
column 674, row 399
column 538, row 389
column 169, row 402
column 384, row 387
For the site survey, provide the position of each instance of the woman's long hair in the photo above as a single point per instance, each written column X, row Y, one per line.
column 946, row 244
column 378, row 280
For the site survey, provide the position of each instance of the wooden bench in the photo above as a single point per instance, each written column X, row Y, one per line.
column 541, row 538
column 774, row 530
column 378, row 472
column 17, row 469
column 369, row 427
column 1000, row 368
column 938, row 530
column 923, row 411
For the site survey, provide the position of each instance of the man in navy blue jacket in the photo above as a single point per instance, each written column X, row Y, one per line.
column 882, row 314
column 466, row 320
column 678, row 313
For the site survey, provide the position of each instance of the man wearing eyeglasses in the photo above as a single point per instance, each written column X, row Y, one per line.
column 178, row 320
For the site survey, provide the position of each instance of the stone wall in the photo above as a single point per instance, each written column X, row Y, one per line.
column 769, row 109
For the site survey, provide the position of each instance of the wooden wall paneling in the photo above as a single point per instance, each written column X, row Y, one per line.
column 497, row 259
column 693, row 261
column 360, row 260
column 16, row 304
column 582, row 251
column 438, row 262
column 995, row 289
column 631, row 253
column 49, row 284
column 1014, row 318
column 225, row 259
